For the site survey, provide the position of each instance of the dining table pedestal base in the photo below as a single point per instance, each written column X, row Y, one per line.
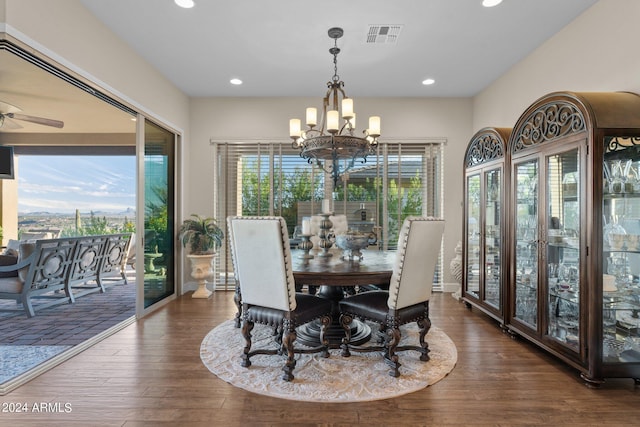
column 309, row 334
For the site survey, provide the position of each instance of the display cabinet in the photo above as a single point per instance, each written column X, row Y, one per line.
column 574, row 231
column 483, row 284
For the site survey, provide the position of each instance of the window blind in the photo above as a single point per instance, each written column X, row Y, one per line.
column 270, row 178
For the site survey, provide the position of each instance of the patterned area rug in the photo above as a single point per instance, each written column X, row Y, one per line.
column 361, row 377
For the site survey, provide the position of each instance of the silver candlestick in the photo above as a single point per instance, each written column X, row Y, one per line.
column 325, row 235
column 306, row 245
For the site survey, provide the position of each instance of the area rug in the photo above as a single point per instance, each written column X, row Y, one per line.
column 361, row 377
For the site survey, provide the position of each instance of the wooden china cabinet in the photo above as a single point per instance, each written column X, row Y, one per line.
column 483, row 279
column 573, row 231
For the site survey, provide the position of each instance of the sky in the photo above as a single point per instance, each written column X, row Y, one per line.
column 62, row 184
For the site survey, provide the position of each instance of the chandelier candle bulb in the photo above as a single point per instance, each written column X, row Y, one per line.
column 352, row 121
column 347, row 108
column 294, row 128
column 326, row 206
column 312, row 116
column 332, row 121
column 306, row 227
column 374, row 126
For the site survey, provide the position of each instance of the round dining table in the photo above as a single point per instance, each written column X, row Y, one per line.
column 332, row 274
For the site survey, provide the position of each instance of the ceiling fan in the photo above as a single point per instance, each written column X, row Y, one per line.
column 9, row 113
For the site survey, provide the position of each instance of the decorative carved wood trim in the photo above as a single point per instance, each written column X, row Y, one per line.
column 615, row 143
column 548, row 122
column 484, row 148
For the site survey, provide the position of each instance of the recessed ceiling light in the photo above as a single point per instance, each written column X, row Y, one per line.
column 235, row 81
column 428, row 82
column 491, row 3
column 187, row 4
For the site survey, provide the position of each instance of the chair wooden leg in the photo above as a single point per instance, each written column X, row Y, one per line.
column 288, row 337
column 345, row 321
column 424, row 326
column 390, row 353
column 381, row 333
column 247, row 327
column 237, row 299
column 324, row 341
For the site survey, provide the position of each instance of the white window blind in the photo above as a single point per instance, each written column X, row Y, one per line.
column 270, row 178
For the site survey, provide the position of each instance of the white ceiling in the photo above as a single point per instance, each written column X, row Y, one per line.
column 280, row 47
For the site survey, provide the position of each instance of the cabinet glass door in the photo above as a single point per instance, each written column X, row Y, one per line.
column 563, row 247
column 492, row 237
column 473, row 235
column 526, row 249
column 621, row 252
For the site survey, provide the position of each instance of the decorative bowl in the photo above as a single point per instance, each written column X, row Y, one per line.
column 352, row 243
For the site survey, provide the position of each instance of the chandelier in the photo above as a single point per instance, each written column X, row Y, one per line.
column 332, row 143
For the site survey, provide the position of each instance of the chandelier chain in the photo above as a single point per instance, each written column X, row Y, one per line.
column 335, row 51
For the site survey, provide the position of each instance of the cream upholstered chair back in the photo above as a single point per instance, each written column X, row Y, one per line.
column 416, row 257
column 262, row 261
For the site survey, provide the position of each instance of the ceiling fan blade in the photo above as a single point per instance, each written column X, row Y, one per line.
column 8, row 108
column 7, row 123
column 38, row 120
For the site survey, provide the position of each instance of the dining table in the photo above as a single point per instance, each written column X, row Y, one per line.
column 337, row 275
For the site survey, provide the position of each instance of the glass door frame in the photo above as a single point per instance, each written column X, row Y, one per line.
column 579, row 145
column 178, row 268
column 539, row 331
column 523, row 326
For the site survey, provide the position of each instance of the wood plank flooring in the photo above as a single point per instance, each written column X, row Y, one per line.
column 150, row 374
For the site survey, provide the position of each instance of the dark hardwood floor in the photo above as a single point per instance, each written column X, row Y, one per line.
column 150, row 374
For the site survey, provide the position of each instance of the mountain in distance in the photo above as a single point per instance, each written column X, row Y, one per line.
column 127, row 212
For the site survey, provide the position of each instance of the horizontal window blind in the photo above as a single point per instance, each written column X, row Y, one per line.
column 270, row 178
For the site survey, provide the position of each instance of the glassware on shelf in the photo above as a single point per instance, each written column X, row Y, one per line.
column 570, row 185
column 611, row 233
column 617, row 176
column 618, row 266
column 634, row 176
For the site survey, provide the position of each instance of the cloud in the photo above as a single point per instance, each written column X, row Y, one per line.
column 62, row 184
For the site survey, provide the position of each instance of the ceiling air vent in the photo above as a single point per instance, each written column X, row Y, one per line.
column 383, row 34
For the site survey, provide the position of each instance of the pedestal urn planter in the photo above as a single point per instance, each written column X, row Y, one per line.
column 201, row 236
column 201, row 270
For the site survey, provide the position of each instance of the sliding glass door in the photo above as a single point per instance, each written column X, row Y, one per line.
column 158, row 236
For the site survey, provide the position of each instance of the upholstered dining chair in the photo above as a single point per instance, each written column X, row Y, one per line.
column 262, row 262
column 408, row 297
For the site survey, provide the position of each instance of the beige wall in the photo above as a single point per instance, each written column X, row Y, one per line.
column 597, row 52
column 268, row 118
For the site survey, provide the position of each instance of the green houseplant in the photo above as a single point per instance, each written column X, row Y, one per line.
column 201, row 235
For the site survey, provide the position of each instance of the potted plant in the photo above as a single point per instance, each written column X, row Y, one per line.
column 201, row 236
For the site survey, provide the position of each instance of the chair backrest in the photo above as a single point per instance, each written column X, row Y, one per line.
column 130, row 259
column 262, row 261
column 416, row 257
